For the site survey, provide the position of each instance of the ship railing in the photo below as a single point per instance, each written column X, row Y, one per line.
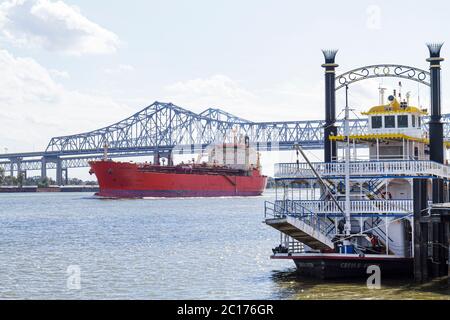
column 375, row 225
column 363, row 168
column 356, row 206
column 280, row 210
column 383, row 158
column 321, row 222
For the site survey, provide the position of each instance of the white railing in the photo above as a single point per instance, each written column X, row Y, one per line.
column 282, row 209
column 363, row 168
column 399, row 157
column 356, row 206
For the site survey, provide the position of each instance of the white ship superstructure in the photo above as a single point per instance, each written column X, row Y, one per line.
column 337, row 218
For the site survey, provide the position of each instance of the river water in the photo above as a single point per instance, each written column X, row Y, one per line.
column 75, row 246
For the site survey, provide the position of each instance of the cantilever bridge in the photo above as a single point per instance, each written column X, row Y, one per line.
column 162, row 127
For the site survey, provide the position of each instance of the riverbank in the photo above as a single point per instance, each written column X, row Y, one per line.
column 13, row 189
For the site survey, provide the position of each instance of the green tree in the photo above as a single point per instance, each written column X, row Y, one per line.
column 43, row 183
column 10, row 181
column 75, row 182
column 32, row 181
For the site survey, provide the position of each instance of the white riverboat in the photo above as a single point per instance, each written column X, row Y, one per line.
column 338, row 218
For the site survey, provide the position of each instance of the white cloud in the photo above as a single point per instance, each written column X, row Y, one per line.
column 285, row 101
column 54, row 26
column 216, row 91
column 59, row 74
column 210, row 87
column 34, row 107
column 121, row 68
column 294, row 99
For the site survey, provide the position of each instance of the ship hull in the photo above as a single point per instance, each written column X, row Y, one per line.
column 125, row 180
column 326, row 266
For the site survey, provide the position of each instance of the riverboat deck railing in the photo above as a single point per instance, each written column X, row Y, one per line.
column 321, row 215
column 363, row 169
column 356, row 206
column 295, row 209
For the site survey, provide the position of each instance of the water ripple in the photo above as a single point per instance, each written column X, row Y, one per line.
column 199, row 248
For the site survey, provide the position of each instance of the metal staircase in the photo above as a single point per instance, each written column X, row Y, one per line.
column 300, row 223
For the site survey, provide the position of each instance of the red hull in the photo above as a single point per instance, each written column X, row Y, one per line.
column 127, row 180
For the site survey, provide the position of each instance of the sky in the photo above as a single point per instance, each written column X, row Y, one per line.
column 74, row 66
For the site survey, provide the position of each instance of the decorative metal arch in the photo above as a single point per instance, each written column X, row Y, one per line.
column 381, row 71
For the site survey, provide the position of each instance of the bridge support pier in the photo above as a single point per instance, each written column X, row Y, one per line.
column 157, row 158
column 11, row 169
column 19, row 169
column 23, row 173
column 15, row 165
column 43, row 168
column 65, row 176
column 170, row 158
column 59, row 176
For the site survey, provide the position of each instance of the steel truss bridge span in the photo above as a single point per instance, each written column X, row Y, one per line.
column 165, row 127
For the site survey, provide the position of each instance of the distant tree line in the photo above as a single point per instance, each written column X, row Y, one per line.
column 21, row 181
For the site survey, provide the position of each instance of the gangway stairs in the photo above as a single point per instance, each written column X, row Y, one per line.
column 304, row 226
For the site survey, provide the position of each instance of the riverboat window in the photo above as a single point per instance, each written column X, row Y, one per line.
column 391, row 152
column 376, row 122
column 413, row 118
column 402, row 121
column 389, row 121
column 419, row 122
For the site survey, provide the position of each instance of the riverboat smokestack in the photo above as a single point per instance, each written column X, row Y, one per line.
column 330, row 150
column 437, row 154
column 435, row 125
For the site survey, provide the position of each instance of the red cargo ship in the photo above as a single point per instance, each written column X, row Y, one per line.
column 138, row 180
column 132, row 180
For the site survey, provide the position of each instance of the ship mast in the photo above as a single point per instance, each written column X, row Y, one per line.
column 381, row 93
column 347, row 227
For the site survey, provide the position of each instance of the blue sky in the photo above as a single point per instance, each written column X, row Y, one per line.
column 72, row 66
